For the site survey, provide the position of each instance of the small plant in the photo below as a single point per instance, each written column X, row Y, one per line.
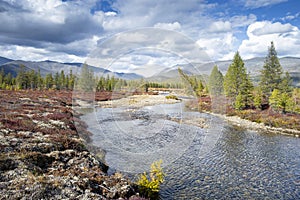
column 172, row 97
column 149, row 183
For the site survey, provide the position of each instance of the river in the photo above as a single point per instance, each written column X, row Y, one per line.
column 217, row 161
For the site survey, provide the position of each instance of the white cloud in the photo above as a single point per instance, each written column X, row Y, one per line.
column 170, row 26
column 156, row 13
column 290, row 17
column 285, row 37
column 242, row 20
column 37, row 54
column 146, row 51
column 49, row 29
column 146, row 62
column 267, row 28
column 110, row 14
column 261, row 3
column 221, row 47
column 71, row 28
column 220, row 27
column 31, row 23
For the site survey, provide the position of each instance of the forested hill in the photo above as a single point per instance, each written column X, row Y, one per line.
column 51, row 67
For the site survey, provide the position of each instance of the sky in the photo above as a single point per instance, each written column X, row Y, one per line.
column 127, row 34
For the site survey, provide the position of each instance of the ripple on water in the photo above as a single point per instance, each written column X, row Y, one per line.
column 241, row 165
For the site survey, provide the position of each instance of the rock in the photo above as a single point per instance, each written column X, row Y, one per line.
column 48, row 160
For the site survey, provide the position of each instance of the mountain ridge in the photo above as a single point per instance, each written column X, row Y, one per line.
column 48, row 66
column 253, row 65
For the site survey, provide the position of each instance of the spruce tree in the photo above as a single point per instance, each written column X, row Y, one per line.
column 271, row 75
column 285, row 85
column 49, row 81
column 22, row 79
column 71, row 80
column 237, row 83
column 86, row 80
column 40, row 80
column 56, row 81
column 215, row 82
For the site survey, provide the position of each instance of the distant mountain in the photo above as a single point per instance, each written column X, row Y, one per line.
column 48, row 66
column 254, row 66
column 4, row 60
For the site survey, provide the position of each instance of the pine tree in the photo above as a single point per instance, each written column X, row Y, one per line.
column 247, row 91
column 32, row 79
column 86, row 80
column 216, row 82
column 239, row 103
column 237, row 82
column 62, row 80
column 271, row 73
column 40, row 80
column 101, row 84
column 71, row 80
column 8, row 79
column 285, row 85
column 49, row 81
column 280, row 100
column 21, row 79
column 56, row 81
column 258, row 98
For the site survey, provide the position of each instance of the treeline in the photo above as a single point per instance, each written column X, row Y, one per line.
column 86, row 80
column 34, row 80
column 274, row 89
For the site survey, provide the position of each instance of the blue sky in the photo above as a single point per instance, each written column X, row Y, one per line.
column 68, row 31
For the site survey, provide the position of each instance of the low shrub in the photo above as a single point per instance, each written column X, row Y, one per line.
column 149, row 183
column 172, row 97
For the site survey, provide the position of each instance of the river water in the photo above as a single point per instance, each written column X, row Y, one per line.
column 217, row 161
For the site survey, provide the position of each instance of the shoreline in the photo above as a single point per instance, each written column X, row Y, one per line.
column 138, row 101
column 244, row 123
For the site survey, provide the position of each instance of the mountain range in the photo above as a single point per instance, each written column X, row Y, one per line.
column 254, row 66
column 48, row 66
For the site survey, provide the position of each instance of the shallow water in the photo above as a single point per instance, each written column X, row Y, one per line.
column 218, row 162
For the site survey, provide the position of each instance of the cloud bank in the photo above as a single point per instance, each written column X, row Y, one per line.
column 70, row 31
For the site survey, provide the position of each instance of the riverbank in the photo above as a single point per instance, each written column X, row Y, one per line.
column 266, row 120
column 137, row 101
column 252, row 119
column 237, row 121
column 44, row 155
column 140, row 101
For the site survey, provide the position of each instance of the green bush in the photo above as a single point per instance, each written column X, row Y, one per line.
column 172, row 97
column 149, row 183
